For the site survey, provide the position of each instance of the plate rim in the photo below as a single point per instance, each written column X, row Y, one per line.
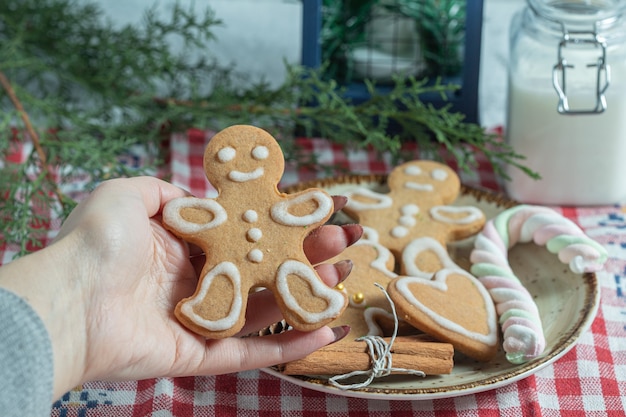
column 565, row 344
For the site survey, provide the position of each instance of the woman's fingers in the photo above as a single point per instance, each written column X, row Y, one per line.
column 328, row 241
column 263, row 310
column 237, row 354
column 339, row 202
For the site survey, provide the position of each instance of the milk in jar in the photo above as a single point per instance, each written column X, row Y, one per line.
column 567, row 103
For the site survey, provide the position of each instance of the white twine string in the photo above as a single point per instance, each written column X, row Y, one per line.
column 380, row 355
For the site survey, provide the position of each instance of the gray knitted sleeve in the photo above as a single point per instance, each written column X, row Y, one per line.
column 26, row 362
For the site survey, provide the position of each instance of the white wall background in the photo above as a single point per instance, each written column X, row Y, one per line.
column 257, row 36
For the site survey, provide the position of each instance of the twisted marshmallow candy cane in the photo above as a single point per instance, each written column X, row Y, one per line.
column 517, row 311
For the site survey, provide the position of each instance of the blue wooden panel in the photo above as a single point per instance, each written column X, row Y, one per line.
column 464, row 101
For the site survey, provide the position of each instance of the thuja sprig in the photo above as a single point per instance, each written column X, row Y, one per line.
column 90, row 91
column 82, row 91
column 403, row 111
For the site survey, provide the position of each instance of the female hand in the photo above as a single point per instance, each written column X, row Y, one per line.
column 111, row 281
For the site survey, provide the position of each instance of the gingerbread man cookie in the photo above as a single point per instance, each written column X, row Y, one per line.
column 417, row 205
column 252, row 237
column 369, row 312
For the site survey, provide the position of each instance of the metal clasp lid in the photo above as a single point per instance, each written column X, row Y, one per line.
column 603, row 74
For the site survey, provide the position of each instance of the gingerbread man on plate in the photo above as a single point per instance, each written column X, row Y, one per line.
column 252, row 237
column 417, row 205
column 369, row 312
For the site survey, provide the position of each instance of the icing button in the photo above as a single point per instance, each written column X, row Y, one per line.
column 410, row 209
column 255, row 255
column 254, row 234
column 407, row 221
column 399, row 231
column 250, row 216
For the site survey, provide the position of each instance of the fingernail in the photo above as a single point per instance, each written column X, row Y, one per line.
column 353, row 231
column 344, row 268
column 340, row 332
column 340, row 201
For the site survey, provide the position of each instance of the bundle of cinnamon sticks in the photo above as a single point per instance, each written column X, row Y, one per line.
column 408, row 352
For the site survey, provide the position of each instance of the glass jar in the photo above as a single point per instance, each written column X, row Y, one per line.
column 567, row 102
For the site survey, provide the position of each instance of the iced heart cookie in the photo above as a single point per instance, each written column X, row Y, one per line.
column 252, row 236
column 453, row 307
column 416, row 205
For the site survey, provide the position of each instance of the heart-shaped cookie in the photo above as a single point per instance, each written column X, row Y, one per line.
column 453, row 307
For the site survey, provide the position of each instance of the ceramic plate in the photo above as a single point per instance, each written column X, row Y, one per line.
column 567, row 303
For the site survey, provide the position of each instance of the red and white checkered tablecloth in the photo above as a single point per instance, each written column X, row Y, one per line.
column 590, row 380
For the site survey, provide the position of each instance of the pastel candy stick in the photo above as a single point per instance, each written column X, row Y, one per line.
column 518, row 314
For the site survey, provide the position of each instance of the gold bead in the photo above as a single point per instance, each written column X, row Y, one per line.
column 358, row 298
column 340, row 286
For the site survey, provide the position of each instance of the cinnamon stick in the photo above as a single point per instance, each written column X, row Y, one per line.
column 408, row 352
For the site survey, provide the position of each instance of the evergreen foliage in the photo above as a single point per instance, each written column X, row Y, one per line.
column 84, row 90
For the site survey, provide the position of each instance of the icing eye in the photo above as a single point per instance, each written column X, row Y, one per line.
column 412, row 170
column 439, row 174
column 260, row 152
column 226, row 154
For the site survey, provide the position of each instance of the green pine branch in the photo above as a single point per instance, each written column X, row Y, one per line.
column 85, row 91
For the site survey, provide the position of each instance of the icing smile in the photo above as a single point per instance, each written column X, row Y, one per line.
column 239, row 176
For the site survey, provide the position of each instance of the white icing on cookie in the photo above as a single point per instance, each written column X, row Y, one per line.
column 473, row 214
column 369, row 234
column 439, row 282
column 439, row 174
column 280, row 211
column 419, row 187
column 409, row 211
column 260, row 152
column 255, row 255
column 239, row 176
column 383, row 254
column 229, row 270
column 380, row 200
column 254, row 234
column 370, row 314
column 399, row 232
column 250, row 216
column 172, row 216
column 406, row 221
column 333, row 298
column 413, row 250
column 413, row 170
column 226, row 154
